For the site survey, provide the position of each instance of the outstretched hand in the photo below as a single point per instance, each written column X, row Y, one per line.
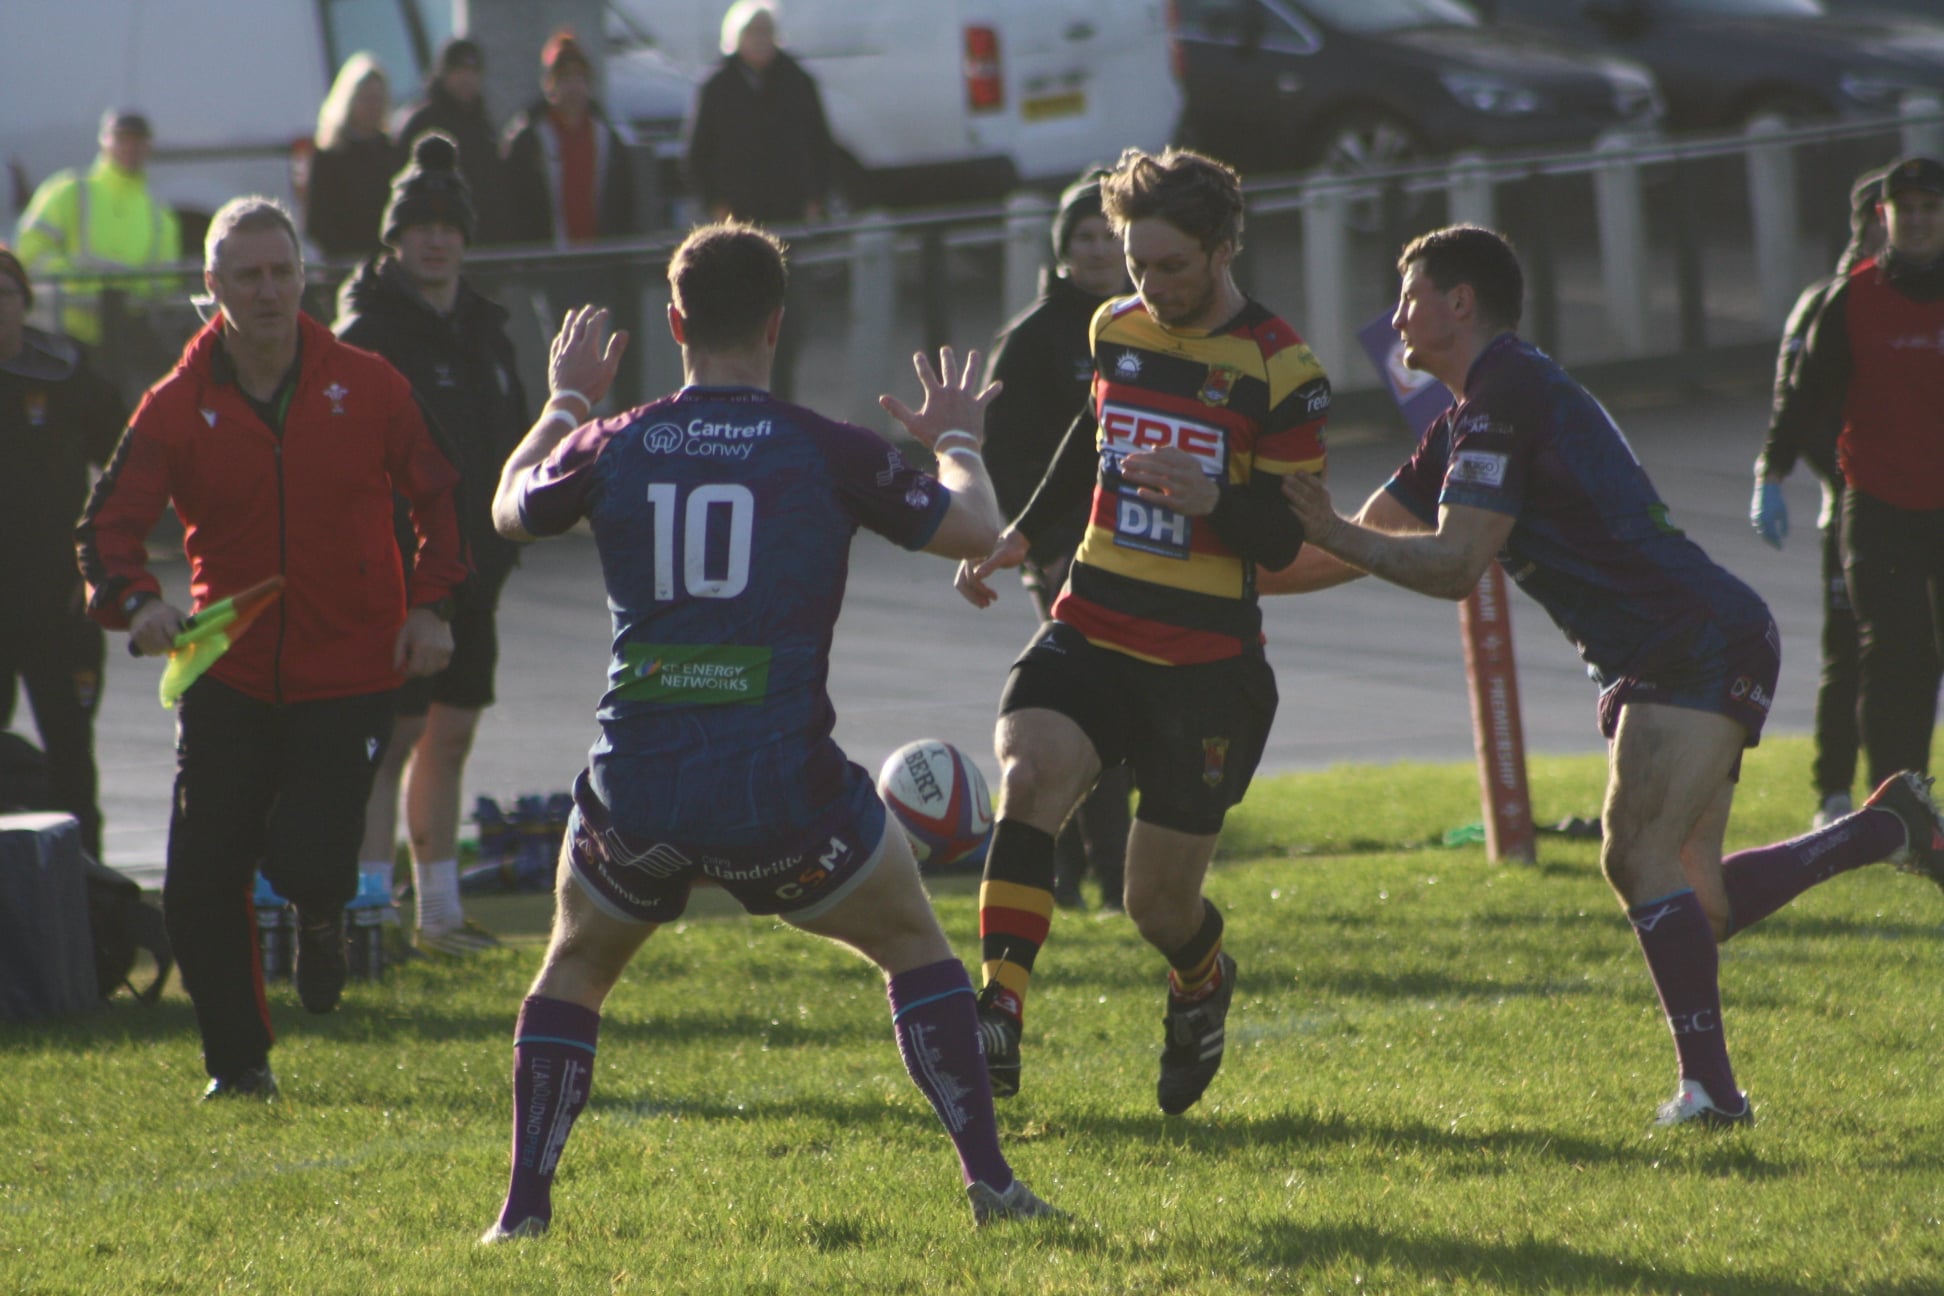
column 584, row 358
column 954, row 401
column 1009, row 551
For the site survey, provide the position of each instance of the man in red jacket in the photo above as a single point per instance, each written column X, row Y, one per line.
column 280, row 448
column 1874, row 363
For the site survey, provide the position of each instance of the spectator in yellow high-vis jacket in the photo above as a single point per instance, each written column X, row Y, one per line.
column 105, row 219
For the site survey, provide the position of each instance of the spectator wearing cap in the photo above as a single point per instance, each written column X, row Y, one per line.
column 1834, row 769
column 104, row 219
column 57, row 419
column 1874, row 361
column 350, row 173
column 567, row 173
column 454, row 105
column 1044, row 359
column 412, row 305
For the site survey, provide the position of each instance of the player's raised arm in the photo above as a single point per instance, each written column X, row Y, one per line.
column 951, row 423
column 580, row 368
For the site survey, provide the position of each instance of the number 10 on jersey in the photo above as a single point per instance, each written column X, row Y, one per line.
column 719, row 504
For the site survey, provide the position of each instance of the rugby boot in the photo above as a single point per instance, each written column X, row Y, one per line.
column 257, row 1082
column 999, row 1037
column 1196, row 1037
column 1908, row 796
column 1691, row 1105
column 1016, row 1203
column 530, row 1227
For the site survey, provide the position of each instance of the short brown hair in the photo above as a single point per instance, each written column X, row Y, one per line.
column 1192, row 192
column 1472, row 254
column 726, row 279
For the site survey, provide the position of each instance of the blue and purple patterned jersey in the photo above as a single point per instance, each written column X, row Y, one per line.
column 724, row 520
column 1592, row 543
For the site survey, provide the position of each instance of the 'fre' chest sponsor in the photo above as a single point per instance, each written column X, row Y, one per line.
column 1145, row 525
column 1125, row 429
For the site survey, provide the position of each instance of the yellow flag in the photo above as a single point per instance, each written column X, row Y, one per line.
column 208, row 634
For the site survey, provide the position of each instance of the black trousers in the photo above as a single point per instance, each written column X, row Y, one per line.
column 1836, row 739
column 1894, row 564
column 281, row 787
column 58, row 664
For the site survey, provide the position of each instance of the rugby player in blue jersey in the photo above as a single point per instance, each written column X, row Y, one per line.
column 724, row 518
column 1528, row 468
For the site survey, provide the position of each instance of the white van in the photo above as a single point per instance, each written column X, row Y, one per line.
column 230, row 86
column 944, row 100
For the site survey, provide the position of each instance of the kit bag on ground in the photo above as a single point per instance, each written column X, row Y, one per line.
column 70, row 927
column 122, row 924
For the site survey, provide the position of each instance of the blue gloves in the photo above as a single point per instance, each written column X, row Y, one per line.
column 1769, row 512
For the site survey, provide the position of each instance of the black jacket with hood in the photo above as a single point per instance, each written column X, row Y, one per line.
column 462, row 369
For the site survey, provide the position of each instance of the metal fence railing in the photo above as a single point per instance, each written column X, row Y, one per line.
column 1672, row 252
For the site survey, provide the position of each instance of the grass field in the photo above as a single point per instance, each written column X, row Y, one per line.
column 1438, row 1080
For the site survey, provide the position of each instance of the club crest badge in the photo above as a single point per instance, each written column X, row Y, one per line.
column 336, row 393
column 1219, row 385
column 1214, row 760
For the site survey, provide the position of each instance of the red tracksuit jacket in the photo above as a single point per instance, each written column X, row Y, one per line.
column 314, row 505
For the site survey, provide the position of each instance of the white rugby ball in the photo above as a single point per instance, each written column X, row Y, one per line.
column 940, row 799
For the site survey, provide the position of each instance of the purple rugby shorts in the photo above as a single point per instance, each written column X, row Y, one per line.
column 1737, row 680
column 641, row 881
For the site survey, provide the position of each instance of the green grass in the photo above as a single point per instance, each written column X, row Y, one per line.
column 1438, row 1080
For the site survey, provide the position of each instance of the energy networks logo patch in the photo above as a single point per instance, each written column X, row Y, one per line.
column 702, row 439
column 1478, row 468
column 695, row 674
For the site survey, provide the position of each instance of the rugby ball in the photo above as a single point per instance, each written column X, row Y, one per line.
column 940, row 799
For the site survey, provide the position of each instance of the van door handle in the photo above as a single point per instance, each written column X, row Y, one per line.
column 1082, row 30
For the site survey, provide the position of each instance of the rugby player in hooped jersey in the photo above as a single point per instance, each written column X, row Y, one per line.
column 1528, row 468
column 724, row 520
column 1153, row 658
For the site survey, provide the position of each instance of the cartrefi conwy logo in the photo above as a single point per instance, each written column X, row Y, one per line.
column 702, row 439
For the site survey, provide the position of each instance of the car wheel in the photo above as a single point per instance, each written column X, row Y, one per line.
column 1365, row 142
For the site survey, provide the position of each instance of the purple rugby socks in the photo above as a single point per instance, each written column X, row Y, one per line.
column 553, row 1074
column 1762, row 880
column 1685, row 963
column 936, row 1017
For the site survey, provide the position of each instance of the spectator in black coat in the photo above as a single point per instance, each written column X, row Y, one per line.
column 411, row 305
column 350, row 173
column 453, row 105
column 759, row 148
column 56, row 418
column 567, row 172
column 1044, row 359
